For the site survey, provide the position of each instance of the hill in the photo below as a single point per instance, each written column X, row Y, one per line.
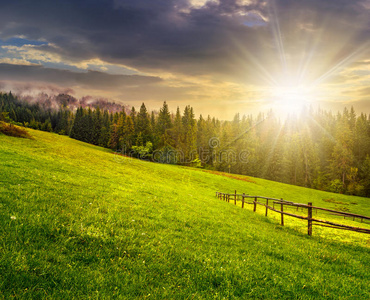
column 79, row 222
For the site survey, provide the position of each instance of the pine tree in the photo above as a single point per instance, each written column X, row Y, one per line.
column 143, row 124
column 128, row 137
column 175, row 133
column 163, row 123
column 76, row 130
column 13, row 115
column 365, row 175
column 105, row 130
column 133, row 115
column 342, row 155
column 97, row 123
column 190, row 135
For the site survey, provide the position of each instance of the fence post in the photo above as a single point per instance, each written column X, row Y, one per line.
column 243, row 201
column 309, row 218
column 282, row 210
column 267, row 203
column 235, row 198
column 255, row 204
column 228, row 198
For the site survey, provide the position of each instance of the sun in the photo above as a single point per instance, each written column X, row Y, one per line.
column 290, row 100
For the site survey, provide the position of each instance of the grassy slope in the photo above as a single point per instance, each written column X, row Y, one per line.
column 91, row 224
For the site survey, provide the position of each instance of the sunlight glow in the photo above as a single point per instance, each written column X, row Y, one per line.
column 291, row 100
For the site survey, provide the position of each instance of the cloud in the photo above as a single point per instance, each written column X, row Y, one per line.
column 30, row 53
column 15, row 61
column 142, row 34
column 239, row 43
column 22, row 88
column 90, row 79
column 159, row 36
column 364, row 92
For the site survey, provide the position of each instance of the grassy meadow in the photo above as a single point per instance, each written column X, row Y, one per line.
column 79, row 222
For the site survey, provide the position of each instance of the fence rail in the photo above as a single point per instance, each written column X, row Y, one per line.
column 309, row 218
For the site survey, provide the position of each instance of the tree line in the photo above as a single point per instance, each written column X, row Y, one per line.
column 317, row 149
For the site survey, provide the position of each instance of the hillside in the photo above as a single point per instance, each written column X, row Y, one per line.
column 79, row 222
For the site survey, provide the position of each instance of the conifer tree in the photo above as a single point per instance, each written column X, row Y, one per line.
column 128, row 137
column 143, row 124
column 76, row 130
column 163, row 123
column 97, row 123
column 190, row 134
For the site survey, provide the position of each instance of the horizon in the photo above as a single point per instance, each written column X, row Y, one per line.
column 93, row 103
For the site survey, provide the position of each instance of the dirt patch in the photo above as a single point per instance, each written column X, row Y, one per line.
column 233, row 176
column 332, row 200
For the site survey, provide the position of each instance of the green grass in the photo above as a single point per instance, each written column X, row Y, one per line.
column 78, row 222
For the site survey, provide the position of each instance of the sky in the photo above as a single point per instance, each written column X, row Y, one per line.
column 220, row 56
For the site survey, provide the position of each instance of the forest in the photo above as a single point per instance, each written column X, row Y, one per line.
column 318, row 149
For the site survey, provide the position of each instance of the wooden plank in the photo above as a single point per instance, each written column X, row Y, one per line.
column 342, row 213
column 285, row 213
column 361, row 230
column 291, row 203
column 326, row 209
column 341, row 225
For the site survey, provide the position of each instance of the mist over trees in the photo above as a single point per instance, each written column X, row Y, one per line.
column 317, row 149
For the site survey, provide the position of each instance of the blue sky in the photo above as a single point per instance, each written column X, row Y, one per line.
column 16, row 41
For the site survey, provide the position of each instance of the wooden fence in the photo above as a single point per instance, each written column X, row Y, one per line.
column 310, row 208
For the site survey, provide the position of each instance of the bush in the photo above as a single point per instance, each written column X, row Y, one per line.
column 143, row 152
column 12, row 130
column 336, row 186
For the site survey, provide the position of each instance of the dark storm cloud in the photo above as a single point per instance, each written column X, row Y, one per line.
column 152, row 34
column 89, row 79
column 171, row 35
